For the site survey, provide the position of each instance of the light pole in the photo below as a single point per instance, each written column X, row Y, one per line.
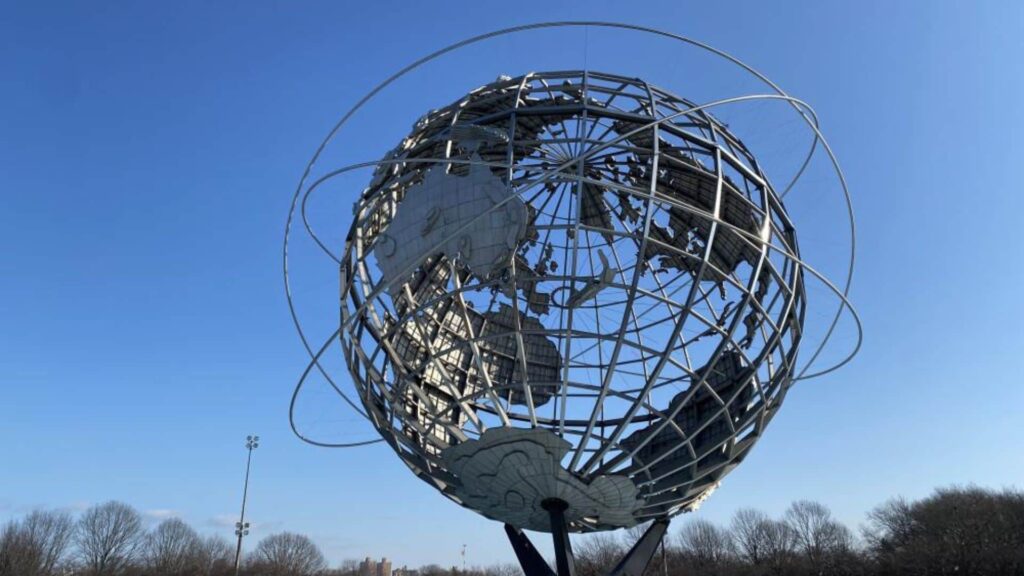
column 242, row 527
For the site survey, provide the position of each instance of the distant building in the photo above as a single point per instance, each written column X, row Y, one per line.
column 368, row 567
column 371, row 567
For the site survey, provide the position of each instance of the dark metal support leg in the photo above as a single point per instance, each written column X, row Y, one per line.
column 634, row 563
column 564, row 561
column 532, row 562
column 639, row 556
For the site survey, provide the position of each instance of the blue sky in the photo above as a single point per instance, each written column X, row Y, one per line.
column 147, row 159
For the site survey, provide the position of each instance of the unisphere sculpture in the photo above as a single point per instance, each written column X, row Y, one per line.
column 572, row 301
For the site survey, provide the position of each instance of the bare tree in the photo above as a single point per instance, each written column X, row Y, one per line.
column 706, row 548
column 37, row 545
column 597, row 554
column 287, row 554
column 11, row 549
column 750, row 535
column 965, row 531
column 348, row 567
column 433, row 570
column 215, row 557
column 890, row 525
column 110, row 538
column 780, row 545
column 172, row 549
column 503, row 570
column 820, row 538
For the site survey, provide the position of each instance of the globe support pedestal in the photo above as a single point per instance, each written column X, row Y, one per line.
column 632, row 564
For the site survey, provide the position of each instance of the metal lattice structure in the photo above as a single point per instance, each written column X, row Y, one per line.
column 573, row 286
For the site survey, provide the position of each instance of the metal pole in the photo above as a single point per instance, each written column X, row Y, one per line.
column 565, row 564
column 242, row 527
column 664, row 562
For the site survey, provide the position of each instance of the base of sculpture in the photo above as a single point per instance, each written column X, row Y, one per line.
column 632, row 564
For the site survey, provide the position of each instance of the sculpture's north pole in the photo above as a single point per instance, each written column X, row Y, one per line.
column 572, row 301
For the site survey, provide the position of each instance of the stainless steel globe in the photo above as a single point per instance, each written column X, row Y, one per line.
column 574, row 287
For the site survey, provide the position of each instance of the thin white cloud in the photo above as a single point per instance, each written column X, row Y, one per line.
column 266, row 528
column 223, row 521
column 159, row 514
column 80, row 506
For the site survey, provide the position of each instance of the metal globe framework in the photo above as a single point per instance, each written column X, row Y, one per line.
column 572, row 301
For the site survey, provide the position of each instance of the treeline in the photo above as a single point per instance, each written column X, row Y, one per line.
column 956, row 531
column 111, row 539
column 351, row 568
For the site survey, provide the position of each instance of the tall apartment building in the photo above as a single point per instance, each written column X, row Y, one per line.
column 371, row 567
column 367, row 567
